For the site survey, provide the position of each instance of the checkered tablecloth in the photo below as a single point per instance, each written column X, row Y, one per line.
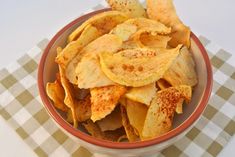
column 21, row 107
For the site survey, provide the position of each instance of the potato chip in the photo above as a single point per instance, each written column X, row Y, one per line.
column 69, row 97
column 93, row 129
column 153, row 41
column 132, row 8
column 151, row 37
column 104, row 100
column 164, row 11
column 137, row 53
column 142, row 94
column 124, row 31
column 143, row 23
column 112, row 121
column 179, row 106
column 163, row 84
column 186, row 92
column 56, row 93
column 89, row 73
column 161, row 111
column 129, row 45
column 136, row 113
column 137, row 71
column 130, row 132
column 108, row 42
column 182, row 70
column 83, row 109
column 104, row 22
column 89, row 34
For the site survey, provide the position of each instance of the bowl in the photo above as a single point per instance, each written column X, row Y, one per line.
column 182, row 123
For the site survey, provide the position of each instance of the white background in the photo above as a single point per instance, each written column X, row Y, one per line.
column 24, row 23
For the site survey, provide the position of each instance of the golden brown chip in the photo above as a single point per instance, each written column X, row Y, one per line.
column 132, row 8
column 104, row 22
column 153, row 41
column 56, row 93
column 164, row 11
column 143, row 23
column 112, row 121
column 182, row 71
column 163, row 84
column 130, row 132
column 89, row 34
column 186, row 92
column 124, row 30
column 142, row 94
column 179, row 106
column 104, row 100
column 137, row 71
column 129, row 45
column 89, row 73
column 107, row 42
column 94, row 130
column 69, row 99
column 161, row 111
column 136, row 113
column 83, row 109
column 138, row 53
column 152, row 37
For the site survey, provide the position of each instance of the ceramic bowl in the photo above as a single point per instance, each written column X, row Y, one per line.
column 182, row 123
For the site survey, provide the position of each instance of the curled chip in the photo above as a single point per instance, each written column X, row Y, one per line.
column 107, row 42
column 56, row 93
column 89, row 34
column 69, row 99
column 136, row 113
column 182, row 70
column 137, row 71
column 124, row 31
column 161, row 111
column 132, row 8
column 142, row 94
column 142, row 23
column 130, row 132
column 152, row 37
column 153, row 41
column 104, row 22
column 104, row 100
column 164, row 11
column 111, row 122
column 95, row 131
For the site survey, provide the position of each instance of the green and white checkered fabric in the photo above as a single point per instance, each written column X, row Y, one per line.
column 21, row 107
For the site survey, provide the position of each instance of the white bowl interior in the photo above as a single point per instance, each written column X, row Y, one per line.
column 51, row 69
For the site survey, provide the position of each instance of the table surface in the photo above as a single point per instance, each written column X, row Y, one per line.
column 24, row 23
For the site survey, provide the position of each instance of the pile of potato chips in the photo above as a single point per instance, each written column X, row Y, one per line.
column 124, row 73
